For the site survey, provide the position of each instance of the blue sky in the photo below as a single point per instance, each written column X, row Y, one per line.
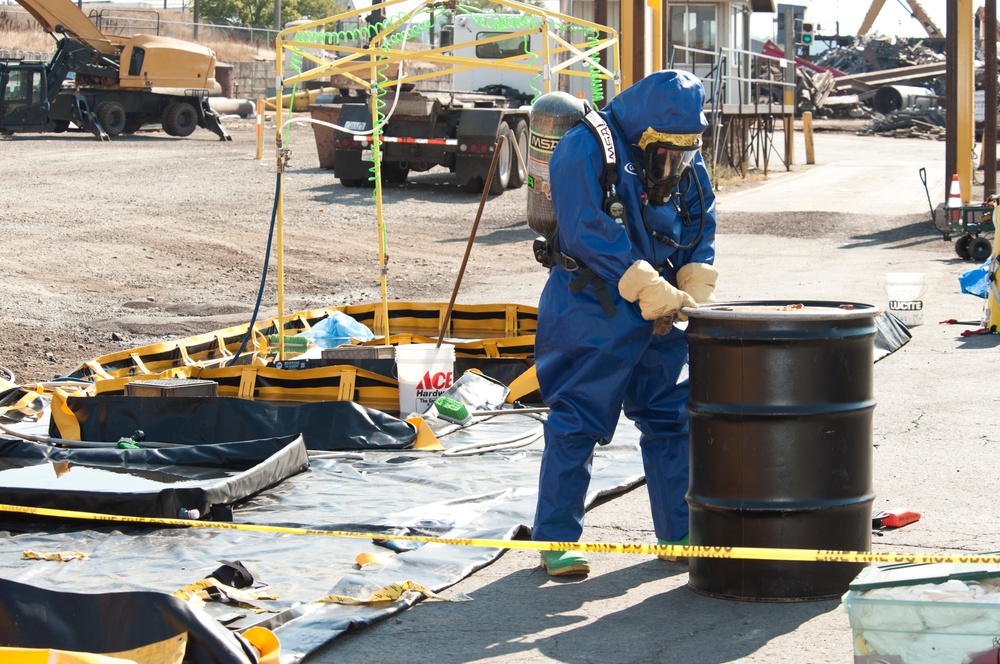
column 894, row 19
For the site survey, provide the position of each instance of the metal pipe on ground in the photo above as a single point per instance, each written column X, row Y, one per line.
column 890, row 98
column 245, row 108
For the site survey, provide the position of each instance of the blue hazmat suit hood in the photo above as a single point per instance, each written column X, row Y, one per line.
column 671, row 101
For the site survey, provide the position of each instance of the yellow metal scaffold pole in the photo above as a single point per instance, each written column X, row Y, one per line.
column 380, row 53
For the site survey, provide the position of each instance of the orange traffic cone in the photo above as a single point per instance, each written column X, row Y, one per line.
column 954, row 202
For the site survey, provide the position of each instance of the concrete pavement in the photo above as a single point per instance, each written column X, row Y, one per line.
column 936, row 442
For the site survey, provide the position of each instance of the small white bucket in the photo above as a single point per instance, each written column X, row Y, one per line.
column 424, row 372
column 905, row 291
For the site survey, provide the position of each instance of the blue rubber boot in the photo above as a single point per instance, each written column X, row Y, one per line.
column 669, row 558
column 565, row 563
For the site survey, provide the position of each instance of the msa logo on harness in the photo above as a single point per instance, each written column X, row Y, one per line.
column 603, row 133
column 614, row 206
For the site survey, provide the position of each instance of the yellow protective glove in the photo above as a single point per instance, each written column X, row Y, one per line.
column 698, row 280
column 657, row 298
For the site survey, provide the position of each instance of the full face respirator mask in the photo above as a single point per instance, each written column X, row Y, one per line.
column 666, row 157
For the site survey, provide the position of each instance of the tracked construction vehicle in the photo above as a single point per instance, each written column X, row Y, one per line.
column 105, row 84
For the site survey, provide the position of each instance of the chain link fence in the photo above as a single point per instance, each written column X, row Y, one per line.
column 135, row 20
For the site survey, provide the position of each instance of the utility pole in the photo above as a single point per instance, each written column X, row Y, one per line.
column 659, row 35
column 959, row 90
column 990, row 90
column 633, row 22
column 789, row 90
column 601, row 18
column 277, row 16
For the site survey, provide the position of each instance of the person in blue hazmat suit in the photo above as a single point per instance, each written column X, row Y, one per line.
column 606, row 337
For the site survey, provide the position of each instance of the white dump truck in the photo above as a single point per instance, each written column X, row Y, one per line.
column 497, row 63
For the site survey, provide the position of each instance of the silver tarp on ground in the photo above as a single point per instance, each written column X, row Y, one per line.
column 166, row 482
column 384, row 492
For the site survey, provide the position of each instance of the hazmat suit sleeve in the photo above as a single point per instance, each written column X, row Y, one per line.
column 586, row 232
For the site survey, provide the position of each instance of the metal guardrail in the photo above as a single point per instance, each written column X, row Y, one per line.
column 125, row 22
column 730, row 72
column 734, row 87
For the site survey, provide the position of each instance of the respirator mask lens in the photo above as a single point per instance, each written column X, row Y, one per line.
column 666, row 163
column 665, row 158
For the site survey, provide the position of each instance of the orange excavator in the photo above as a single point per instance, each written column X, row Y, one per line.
column 107, row 85
column 915, row 10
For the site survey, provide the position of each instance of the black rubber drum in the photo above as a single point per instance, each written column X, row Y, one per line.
column 781, row 407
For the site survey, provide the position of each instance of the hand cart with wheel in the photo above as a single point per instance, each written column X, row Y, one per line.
column 967, row 223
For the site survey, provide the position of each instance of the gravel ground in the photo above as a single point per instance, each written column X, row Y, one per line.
column 147, row 238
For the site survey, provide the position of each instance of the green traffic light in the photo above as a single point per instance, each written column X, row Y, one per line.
column 807, row 33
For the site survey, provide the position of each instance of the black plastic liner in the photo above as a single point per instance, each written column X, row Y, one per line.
column 112, row 622
column 386, row 492
column 326, row 425
column 891, row 334
column 166, row 482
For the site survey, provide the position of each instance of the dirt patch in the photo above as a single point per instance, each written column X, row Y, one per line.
column 147, row 238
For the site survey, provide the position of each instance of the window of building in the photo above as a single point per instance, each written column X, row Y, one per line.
column 693, row 27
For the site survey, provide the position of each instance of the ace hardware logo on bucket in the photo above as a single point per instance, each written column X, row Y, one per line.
column 436, row 382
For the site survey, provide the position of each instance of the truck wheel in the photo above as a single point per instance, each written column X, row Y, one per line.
column 179, row 119
column 395, row 172
column 519, row 174
column 132, row 125
column 501, row 176
column 111, row 115
column 473, row 185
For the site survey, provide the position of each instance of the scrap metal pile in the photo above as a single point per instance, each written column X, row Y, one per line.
column 877, row 53
column 896, row 83
column 899, row 83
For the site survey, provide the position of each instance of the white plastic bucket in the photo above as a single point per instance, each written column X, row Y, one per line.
column 424, row 372
column 905, row 291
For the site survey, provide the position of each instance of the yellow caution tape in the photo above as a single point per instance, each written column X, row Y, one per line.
column 690, row 551
column 390, row 593
column 211, row 589
column 57, row 556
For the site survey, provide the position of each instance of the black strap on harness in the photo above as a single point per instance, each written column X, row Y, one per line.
column 547, row 253
column 600, row 287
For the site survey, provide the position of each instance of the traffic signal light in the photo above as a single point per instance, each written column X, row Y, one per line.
column 807, row 34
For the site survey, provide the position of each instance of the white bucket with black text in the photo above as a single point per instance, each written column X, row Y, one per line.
column 424, row 372
column 905, row 291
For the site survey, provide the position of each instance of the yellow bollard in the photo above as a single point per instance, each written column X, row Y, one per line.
column 789, row 125
column 807, row 134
